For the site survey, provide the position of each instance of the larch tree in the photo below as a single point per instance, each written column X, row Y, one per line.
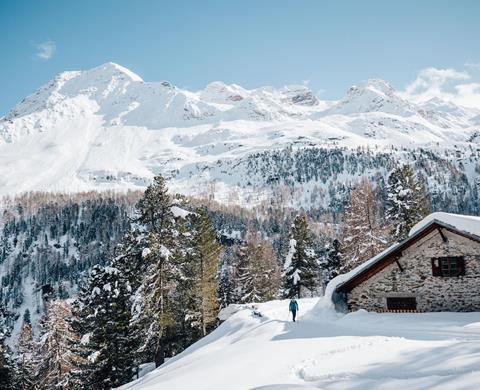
column 364, row 230
column 25, row 349
column 300, row 275
column 54, row 357
column 407, row 201
column 204, row 257
column 257, row 270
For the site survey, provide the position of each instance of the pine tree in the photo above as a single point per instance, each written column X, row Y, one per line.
column 364, row 231
column 132, row 266
column 154, row 209
column 258, row 272
column 26, row 361
column 103, row 312
column 332, row 260
column 226, row 289
column 300, row 276
column 7, row 367
column 54, row 358
column 154, row 303
column 226, row 283
column 407, row 201
column 26, row 317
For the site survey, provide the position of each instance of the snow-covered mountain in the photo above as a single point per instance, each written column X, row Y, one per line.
column 107, row 128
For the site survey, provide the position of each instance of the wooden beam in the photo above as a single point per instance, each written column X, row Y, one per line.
column 444, row 237
column 399, row 265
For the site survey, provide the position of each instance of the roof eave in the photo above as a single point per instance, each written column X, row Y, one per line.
column 395, row 248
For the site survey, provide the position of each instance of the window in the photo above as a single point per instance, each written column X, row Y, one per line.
column 448, row 266
column 402, row 303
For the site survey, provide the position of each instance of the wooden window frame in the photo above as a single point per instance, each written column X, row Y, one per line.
column 448, row 266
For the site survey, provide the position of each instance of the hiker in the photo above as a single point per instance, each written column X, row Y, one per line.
column 293, row 307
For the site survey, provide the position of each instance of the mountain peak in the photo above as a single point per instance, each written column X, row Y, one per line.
column 113, row 69
column 378, row 85
column 219, row 92
column 374, row 95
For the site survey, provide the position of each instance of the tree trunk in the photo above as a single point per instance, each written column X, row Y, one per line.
column 159, row 355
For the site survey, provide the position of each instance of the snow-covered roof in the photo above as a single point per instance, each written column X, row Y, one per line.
column 467, row 224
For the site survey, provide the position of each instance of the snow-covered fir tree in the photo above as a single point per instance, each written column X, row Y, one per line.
column 300, row 275
column 132, row 266
column 55, row 360
column 257, row 270
column 103, row 314
column 407, row 201
column 8, row 368
column 155, row 305
column 226, row 285
column 8, row 377
column 331, row 260
column 154, row 311
column 364, row 228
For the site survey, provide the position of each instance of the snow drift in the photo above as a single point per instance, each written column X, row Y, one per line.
column 327, row 351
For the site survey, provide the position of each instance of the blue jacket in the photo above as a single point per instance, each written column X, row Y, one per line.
column 293, row 305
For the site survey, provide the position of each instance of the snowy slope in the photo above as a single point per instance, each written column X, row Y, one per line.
column 107, row 128
column 327, row 350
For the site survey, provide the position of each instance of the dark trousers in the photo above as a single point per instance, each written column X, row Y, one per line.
column 294, row 314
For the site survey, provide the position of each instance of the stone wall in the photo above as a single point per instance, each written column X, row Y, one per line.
column 432, row 293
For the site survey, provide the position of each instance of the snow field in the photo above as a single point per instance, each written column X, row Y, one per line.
column 327, row 350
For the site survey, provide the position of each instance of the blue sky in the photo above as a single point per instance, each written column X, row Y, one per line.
column 330, row 44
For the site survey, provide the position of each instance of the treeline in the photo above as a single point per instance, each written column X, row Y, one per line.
column 321, row 178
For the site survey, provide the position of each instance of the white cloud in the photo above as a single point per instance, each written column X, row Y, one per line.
column 446, row 84
column 468, row 95
column 430, row 81
column 473, row 65
column 45, row 50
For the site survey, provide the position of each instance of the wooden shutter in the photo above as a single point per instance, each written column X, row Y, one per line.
column 461, row 266
column 436, row 268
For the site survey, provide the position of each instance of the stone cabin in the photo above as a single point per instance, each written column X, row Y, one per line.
column 437, row 268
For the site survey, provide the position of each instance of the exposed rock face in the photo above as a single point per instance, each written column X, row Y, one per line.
column 432, row 293
column 305, row 99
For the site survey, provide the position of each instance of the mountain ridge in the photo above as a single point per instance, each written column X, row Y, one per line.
column 106, row 128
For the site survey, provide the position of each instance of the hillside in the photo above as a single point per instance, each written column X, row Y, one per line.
column 106, row 128
column 327, row 350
